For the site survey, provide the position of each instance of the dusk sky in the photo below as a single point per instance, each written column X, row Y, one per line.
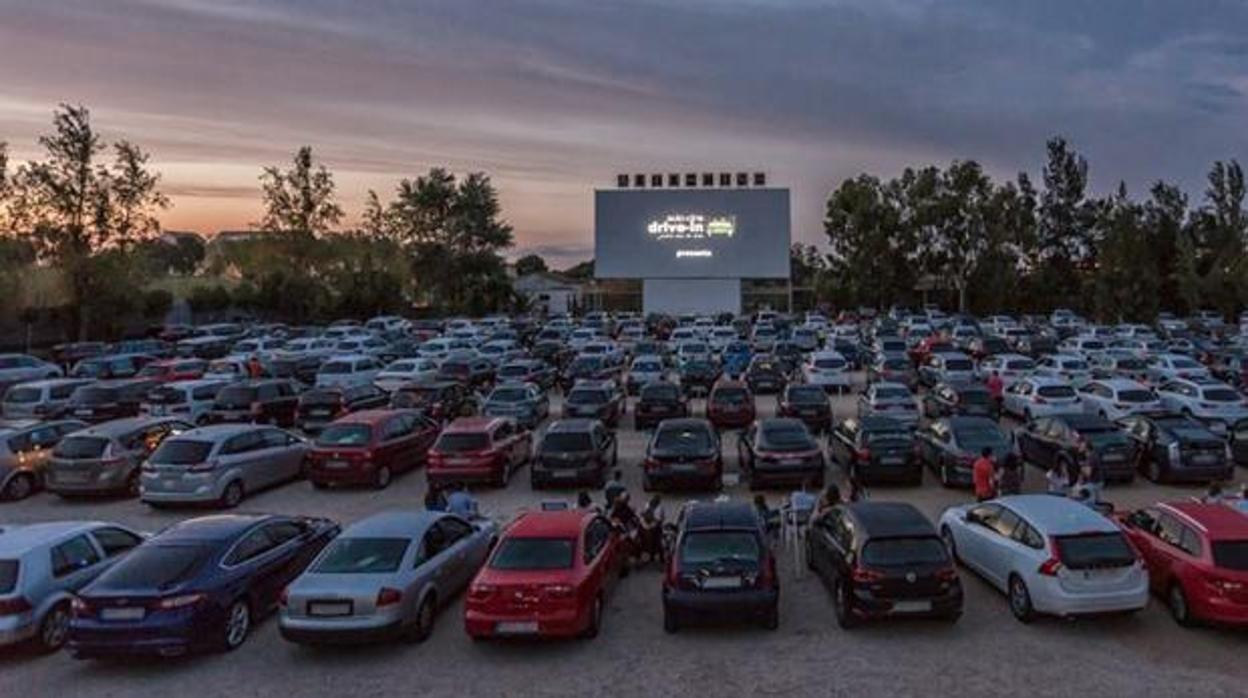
column 553, row 98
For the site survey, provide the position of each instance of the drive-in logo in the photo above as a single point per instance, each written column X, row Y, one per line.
column 692, row 226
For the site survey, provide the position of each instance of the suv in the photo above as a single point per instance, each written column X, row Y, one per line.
column 1115, row 398
column 683, row 452
column 720, row 567
column 658, row 401
column 25, row 448
column 574, row 452
column 479, row 449
column 265, row 401
column 1211, row 401
column 105, row 459
column 883, row 559
column 877, row 449
column 764, row 376
column 111, row 399
column 369, row 448
column 525, row 402
column 780, row 451
column 320, row 406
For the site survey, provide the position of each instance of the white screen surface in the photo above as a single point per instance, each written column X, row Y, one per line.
column 691, row 233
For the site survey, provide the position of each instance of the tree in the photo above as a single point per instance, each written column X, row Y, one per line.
column 1164, row 222
column 530, row 264
column 1126, row 283
column 1064, row 241
column 300, row 200
column 868, row 243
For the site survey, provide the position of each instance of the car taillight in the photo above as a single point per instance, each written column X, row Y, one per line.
column 284, row 597
column 388, row 596
column 866, row 576
column 948, row 574
column 181, row 601
column 1041, row 401
column 767, row 576
column 864, row 454
column 480, row 592
column 1050, row 567
column 18, row 605
column 650, row 464
column 559, row 591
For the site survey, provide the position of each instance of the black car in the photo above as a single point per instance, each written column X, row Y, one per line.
column 1075, row 440
column 963, row 399
column 808, row 403
column 440, row 400
column 683, row 453
column 765, row 376
column 850, row 349
column 299, row 368
column 721, row 568
column 789, row 355
column 587, row 367
column 106, row 400
column 698, row 375
column 574, row 452
column 595, row 400
column 883, row 559
column 263, row 401
column 1176, row 448
column 779, row 452
column 659, row 401
column 474, row 374
column 876, row 450
column 317, row 408
column 554, row 352
column 110, row 366
column 949, row 447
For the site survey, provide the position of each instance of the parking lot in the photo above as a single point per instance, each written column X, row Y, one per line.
column 986, row 652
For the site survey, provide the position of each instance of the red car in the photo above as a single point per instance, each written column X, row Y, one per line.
column 932, row 344
column 479, row 449
column 730, row 405
column 370, row 447
column 169, row 370
column 548, row 576
column 1197, row 556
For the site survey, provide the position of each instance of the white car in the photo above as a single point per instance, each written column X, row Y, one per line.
column 1211, row 401
column 721, row 336
column 947, row 367
column 1040, row 396
column 306, row 346
column 258, row 346
column 1049, row 555
column 1011, row 367
column 405, row 371
column 581, row 337
column 388, row 323
column 644, row 371
column 361, row 345
column 436, row 349
column 1086, row 346
column 18, row 368
column 190, row 400
column 1115, row 398
column 827, row 369
column 1163, row 367
column 1073, row 369
column 346, row 371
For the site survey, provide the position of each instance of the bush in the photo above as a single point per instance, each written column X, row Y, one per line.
column 209, row 299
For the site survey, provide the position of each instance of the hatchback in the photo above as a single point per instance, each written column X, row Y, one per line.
column 479, row 449
column 320, row 406
column 1073, row 369
column 220, row 465
column 965, row 399
column 877, row 449
column 780, row 451
column 101, row 401
column 1175, row 448
column 532, row 371
column 1040, row 396
column 730, row 405
column 595, row 400
column 404, row 371
column 946, row 367
column 25, row 449
column 548, row 576
column 525, row 402
column 1050, row 555
column 263, row 401
column 683, row 453
column 385, row 577
column 199, row 585
column 1211, row 401
column 643, row 371
column 370, row 447
column 40, row 399
column 1072, row 441
column 574, row 452
column 721, row 567
column 893, row 400
column 190, row 400
column 808, row 403
column 659, row 401
column 106, row 458
column 883, row 559
column 1116, row 398
column 345, row 371
column 1009, row 367
column 764, row 375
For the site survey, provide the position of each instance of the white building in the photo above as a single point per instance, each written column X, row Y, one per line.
column 551, row 293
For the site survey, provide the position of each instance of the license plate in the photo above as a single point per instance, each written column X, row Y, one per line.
column 323, row 608
column 84, row 413
column 563, row 474
column 791, row 462
column 1204, row 459
column 721, row 583
column 912, row 606
column 336, row 464
column 809, row 413
column 892, row 461
column 684, row 467
column 136, row 613
column 528, row 627
column 458, row 462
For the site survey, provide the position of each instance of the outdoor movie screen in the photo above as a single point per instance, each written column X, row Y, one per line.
column 691, row 233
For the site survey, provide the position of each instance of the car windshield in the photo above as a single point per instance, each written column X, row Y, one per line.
column 898, row 552
column 362, row 556
column 1091, row 550
column 1056, row 391
column 830, row 364
column 585, row 363
column 975, row 438
column 1074, row 365
column 1185, row 363
column 509, row 395
column 787, row 437
column 1133, row 395
column 710, row 547
column 588, row 397
column 182, row 452
column 1126, row 364
column 23, row 395
column 515, row 553
column 335, row 367
column 1222, row 395
column 690, row 439
column 1227, row 554
column 730, row 396
column 647, row 366
column 957, row 365
column 80, row 447
column 462, row 442
column 807, row 395
column 154, row 566
column 94, row 396
column 892, row 394
column 236, row 397
column 345, row 435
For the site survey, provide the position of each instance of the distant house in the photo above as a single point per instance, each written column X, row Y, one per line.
column 550, row 293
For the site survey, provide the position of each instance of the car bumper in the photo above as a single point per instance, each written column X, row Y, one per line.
column 784, row 476
column 868, row 605
column 569, row 476
column 17, row 628
column 875, row 473
column 557, row 623
column 151, row 491
column 106, row 482
column 1219, row 611
column 1052, row 599
column 1201, row 473
column 177, row 635
column 357, row 475
column 667, row 478
column 720, row 605
column 309, row 631
column 446, row 476
column 731, row 421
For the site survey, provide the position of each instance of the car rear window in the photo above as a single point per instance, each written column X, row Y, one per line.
column 166, row 396
column 336, row 367
column 1135, row 396
column 362, row 556
column 237, row 396
column 729, row 396
column 892, row 394
column 1227, row 554
column 1222, row 395
column 559, row 442
column 182, row 452
column 155, row 567
column 787, row 437
column 23, row 396
column 807, row 395
column 830, row 364
column 660, row 392
column 321, row 397
column 8, row 575
column 95, row 396
column 894, row 552
column 957, row 365
column 973, row 396
column 516, row 553
column 710, row 547
column 80, row 447
column 588, row 397
column 345, row 435
column 462, row 442
column 509, row 395
column 1094, row 550
column 680, row 439
column 1056, row 391
column 974, row 438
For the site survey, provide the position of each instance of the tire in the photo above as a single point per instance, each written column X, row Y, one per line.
column 1180, row 610
column 133, row 485
column 19, row 487
column 237, row 625
column 951, row 545
column 317, row 484
column 426, row 615
column 1020, row 600
column 381, row 480
column 944, row 475
column 1153, row 471
column 54, row 629
column 843, row 606
column 771, row 621
column 595, row 619
column 232, row 495
column 670, row 624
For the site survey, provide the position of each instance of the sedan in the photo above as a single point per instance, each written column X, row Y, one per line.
column 950, row 446
column 893, row 400
column 1174, row 448
column 385, row 577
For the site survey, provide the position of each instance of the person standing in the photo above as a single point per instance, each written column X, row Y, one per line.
column 984, row 475
column 1057, row 480
column 254, row 368
column 613, row 489
column 1010, row 479
column 996, row 391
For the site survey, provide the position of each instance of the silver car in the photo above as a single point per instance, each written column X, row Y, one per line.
column 1211, row 401
column 889, row 400
column 221, row 464
column 19, row 368
column 385, row 577
column 25, row 448
column 40, row 399
column 105, row 458
column 43, row 565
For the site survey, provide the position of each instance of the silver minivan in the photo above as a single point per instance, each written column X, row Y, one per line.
column 221, row 464
column 40, row 399
column 43, row 565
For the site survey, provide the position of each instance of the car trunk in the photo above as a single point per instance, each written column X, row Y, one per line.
column 1096, row 563
column 905, row 567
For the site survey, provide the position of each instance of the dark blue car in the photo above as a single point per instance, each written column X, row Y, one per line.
column 198, row 585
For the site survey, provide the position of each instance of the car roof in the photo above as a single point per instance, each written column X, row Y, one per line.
column 121, row 426
column 197, row 382
column 550, row 524
column 1083, row 420
column 872, row 422
column 1122, row 384
column 889, row 519
column 212, row 528
column 1043, row 381
column 473, row 424
column 965, row 421
column 219, row 431
column 370, row 417
column 1217, row 520
column 701, row 516
column 1058, row 515
column 774, row 422
column 570, row 426
column 19, row 538
column 685, row 423
column 593, row 385
column 394, row 523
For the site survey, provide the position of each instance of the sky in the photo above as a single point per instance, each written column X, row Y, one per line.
column 553, row 98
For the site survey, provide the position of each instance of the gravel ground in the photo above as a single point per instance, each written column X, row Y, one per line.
column 986, row 653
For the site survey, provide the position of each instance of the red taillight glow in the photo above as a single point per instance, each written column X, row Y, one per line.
column 947, row 574
column 560, row 591
column 387, row 597
column 18, row 605
column 863, row 575
column 864, row 454
column 284, row 598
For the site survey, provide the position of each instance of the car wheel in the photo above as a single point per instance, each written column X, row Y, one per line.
column 317, row 484
column 944, row 475
column 20, row 486
column 670, row 624
column 237, row 625
column 382, row 479
column 232, row 495
column 55, row 628
column 771, row 621
column 425, row 617
column 1152, row 470
column 1020, row 600
column 133, row 485
column 1179, row 609
column 1027, row 414
column 844, row 605
column 595, row 618
column 946, row 535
